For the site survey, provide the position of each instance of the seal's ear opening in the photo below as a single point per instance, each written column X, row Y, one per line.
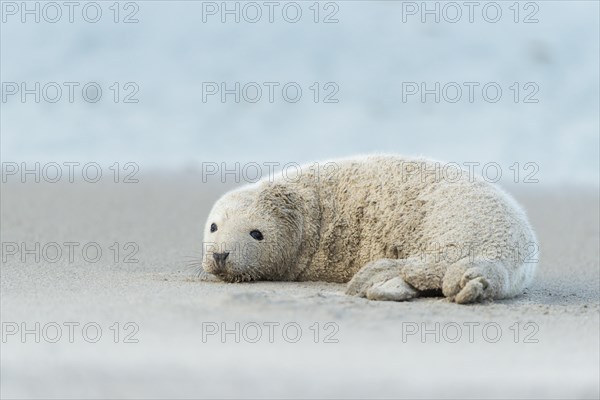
column 283, row 202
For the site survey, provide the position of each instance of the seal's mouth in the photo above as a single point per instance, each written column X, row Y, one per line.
column 216, row 263
column 224, row 272
column 228, row 275
column 215, row 268
column 220, row 266
column 223, row 266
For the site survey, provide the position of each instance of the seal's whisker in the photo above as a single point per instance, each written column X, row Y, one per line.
column 193, row 263
column 193, row 257
column 198, row 271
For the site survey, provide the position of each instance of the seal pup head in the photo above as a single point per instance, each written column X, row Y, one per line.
column 254, row 233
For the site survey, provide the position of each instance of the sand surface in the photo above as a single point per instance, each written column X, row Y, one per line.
column 543, row 344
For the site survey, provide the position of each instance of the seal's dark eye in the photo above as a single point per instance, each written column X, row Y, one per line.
column 213, row 227
column 256, row 235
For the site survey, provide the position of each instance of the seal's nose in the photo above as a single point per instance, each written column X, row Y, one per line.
column 220, row 258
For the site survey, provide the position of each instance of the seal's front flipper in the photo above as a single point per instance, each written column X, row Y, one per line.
column 394, row 289
column 381, row 280
column 374, row 272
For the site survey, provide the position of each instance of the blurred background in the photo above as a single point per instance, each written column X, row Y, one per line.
column 371, row 53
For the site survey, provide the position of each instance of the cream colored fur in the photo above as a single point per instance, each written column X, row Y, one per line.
column 391, row 227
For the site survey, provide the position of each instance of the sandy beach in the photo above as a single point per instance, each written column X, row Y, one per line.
column 133, row 322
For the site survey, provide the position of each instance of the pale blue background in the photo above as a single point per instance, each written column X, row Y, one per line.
column 170, row 52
